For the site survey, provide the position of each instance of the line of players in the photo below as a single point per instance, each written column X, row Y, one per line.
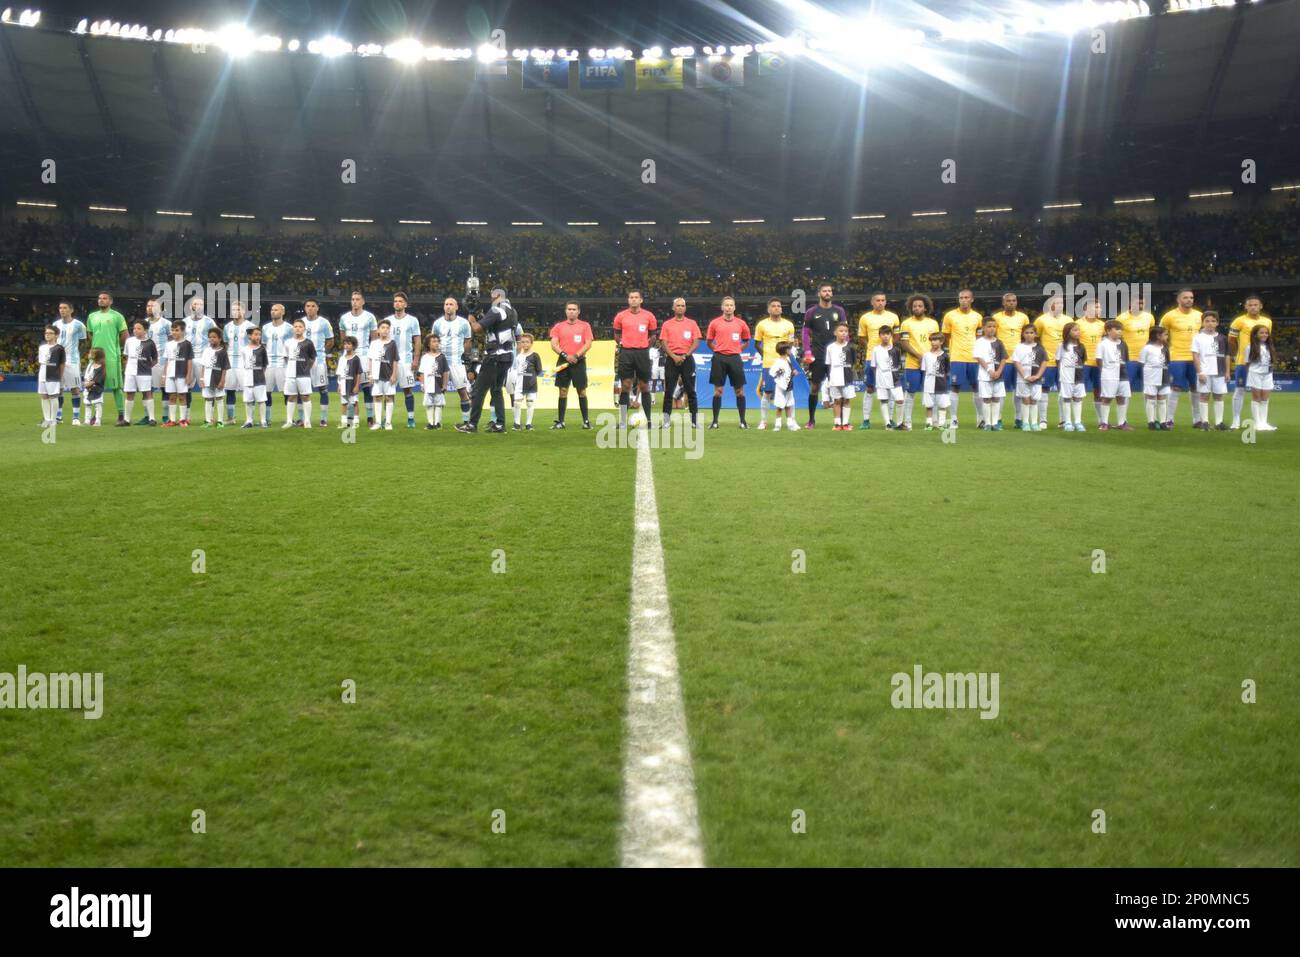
column 987, row 355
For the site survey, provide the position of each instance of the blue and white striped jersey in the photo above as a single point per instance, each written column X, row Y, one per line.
column 160, row 330
column 319, row 331
column 71, row 334
column 196, row 331
column 236, row 336
column 404, row 330
column 360, row 327
column 276, row 338
column 453, row 333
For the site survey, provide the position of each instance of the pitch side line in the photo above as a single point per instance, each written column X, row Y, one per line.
column 660, row 818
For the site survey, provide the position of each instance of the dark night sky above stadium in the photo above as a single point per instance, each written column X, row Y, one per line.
column 527, row 22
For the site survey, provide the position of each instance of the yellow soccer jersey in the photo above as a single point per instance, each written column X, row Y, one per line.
column 1242, row 327
column 918, row 332
column 1137, row 331
column 1091, row 332
column 772, row 333
column 962, row 329
column 1183, row 328
column 1049, row 333
column 869, row 324
column 1009, row 328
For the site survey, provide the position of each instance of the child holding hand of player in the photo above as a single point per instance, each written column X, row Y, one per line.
column 1155, row 377
column 92, row 384
column 434, row 371
column 782, row 373
column 1030, row 360
column 349, row 379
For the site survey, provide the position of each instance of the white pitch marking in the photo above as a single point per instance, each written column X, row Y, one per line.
column 660, row 818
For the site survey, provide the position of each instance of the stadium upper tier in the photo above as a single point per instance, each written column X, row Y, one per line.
column 750, row 261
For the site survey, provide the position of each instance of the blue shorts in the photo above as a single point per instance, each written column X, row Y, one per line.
column 913, row 380
column 1051, row 378
column 965, row 374
column 766, row 382
column 1134, row 372
column 1009, row 375
column 869, row 376
column 1239, row 375
column 1182, row 375
column 1092, row 378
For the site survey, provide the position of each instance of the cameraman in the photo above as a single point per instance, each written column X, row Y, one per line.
column 499, row 326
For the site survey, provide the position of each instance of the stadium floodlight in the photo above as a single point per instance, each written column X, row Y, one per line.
column 694, row 222
column 686, row 52
column 471, row 222
column 82, row 26
column 744, row 221
column 236, row 39
column 298, row 219
column 1129, row 201
column 415, row 222
column 1210, row 193
column 107, row 209
column 237, row 216
column 639, row 222
column 653, row 53
column 596, row 53
column 37, row 202
column 585, row 222
column 330, row 46
column 356, row 220
column 868, row 216
column 1070, row 205
column 488, row 53
column 173, row 212
column 525, row 222
column 808, row 219
column 408, row 51
column 157, row 35
column 985, row 210
column 1286, row 188
column 6, row 15
column 930, row 212
column 743, row 49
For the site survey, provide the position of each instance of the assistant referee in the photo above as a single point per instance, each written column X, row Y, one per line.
column 498, row 327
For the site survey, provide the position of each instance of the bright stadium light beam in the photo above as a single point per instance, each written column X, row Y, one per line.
column 407, row 51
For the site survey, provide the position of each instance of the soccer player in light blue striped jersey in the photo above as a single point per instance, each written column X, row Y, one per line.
column 236, row 333
column 160, row 330
column 360, row 324
column 321, row 334
column 275, row 336
column 72, row 333
column 197, row 326
column 406, row 335
column 454, row 332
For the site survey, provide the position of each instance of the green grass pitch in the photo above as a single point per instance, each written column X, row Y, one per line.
column 479, row 692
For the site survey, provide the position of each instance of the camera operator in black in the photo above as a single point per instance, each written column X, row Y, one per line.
column 498, row 327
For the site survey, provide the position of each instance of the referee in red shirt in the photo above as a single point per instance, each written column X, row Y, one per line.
column 571, row 339
column 727, row 336
column 678, row 338
column 634, row 331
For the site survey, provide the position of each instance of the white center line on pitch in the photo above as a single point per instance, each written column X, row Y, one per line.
column 660, row 819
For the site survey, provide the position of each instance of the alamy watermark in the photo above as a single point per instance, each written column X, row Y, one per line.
column 36, row 691
column 217, row 297
column 1114, row 298
column 931, row 689
column 679, row 434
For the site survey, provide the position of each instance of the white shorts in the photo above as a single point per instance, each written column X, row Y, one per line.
column 50, row 387
column 405, row 379
column 1259, row 380
column 893, row 393
column 992, row 390
column 934, row 400
column 237, row 379
column 383, row 388
column 71, row 379
column 1215, row 383
column 198, row 374
column 783, row 399
column 275, row 379
column 1071, row 387
column 1033, row 391
column 137, row 383
column 1154, row 391
column 254, row 393
column 320, row 375
column 297, row 385
column 212, row 392
column 176, row 386
column 840, row 392
column 1117, row 388
column 457, row 379
column 434, row 400
column 157, row 377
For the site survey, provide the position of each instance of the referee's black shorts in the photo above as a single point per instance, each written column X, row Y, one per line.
column 727, row 367
column 575, row 375
column 634, row 364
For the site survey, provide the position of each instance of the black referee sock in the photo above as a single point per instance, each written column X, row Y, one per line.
column 647, row 406
column 564, row 402
column 740, row 406
column 582, row 405
column 812, row 403
column 717, row 406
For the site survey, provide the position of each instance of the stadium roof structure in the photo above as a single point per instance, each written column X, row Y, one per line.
column 1175, row 102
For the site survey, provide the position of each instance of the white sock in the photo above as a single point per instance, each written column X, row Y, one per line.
column 1121, row 413
column 1172, row 401
column 306, row 411
column 1198, row 408
column 1255, row 413
column 763, row 403
column 909, row 403
column 428, row 414
column 1151, row 409
column 148, row 407
column 532, row 401
column 884, row 414
column 1162, row 409
column 519, row 411
column 389, row 406
column 1238, row 400
column 437, row 415
column 1101, row 408
column 1043, row 401
column 1263, row 412
column 1217, row 404
column 248, row 413
column 130, row 407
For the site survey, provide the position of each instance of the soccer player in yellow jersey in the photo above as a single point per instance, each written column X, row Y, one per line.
column 1183, row 322
column 1010, row 321
column 1050, row 327
column 769, row 332
column 1135, row 329
column 914, row 334
column 869, row 324
column 1092, row 329
column 961, row 326
column 1239, row 344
